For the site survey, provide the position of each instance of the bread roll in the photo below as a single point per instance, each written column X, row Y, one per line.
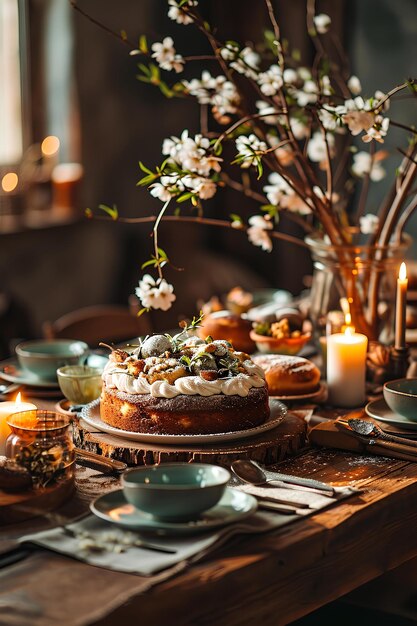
column 288, row 375
column 226, row 325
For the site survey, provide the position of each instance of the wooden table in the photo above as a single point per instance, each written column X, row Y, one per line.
column 281, row 576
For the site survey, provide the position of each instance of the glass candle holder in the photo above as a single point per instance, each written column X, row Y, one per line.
column 80, row 384
column 41, row 442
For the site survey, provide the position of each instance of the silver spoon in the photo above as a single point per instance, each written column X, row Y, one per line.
column 366, row 427
column 251, row 473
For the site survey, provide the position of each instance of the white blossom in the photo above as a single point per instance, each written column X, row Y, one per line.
column 264, row 108
column 159, row 191
column 249, row 147
column 165, row 55
column 316, row 148
column 271, row 81
column 378, row 131
column 363, row 164
column 354, row 85
column 369, row 224
column 358, row 121
column 178, row 14
column 308, row 94
column 214, row 90
column 257, row 232
column 155, row 294
column 299, row 128
column 290, row 76
column 280, row 193
column 322, row 23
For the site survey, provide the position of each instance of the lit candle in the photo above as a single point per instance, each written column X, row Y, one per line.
column 6, row 409
column 346, row 361
column 400, row 308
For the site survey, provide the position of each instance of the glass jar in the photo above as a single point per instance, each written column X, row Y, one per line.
column 40, row 441
column 356, row 278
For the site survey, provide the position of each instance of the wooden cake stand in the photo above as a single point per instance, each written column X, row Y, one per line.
column 267, row 448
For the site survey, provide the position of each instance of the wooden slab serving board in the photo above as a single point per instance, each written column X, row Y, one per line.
column 268, row 447
column 17, row 507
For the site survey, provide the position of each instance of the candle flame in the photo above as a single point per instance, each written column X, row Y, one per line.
column 348, row 319
column 403, row 271
column 349, row 331
column 9, row 182
column 50, row 145
column 18, row 398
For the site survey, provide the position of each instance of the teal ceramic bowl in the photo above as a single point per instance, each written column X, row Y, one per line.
column 401, row 397
column 175, row 491
column 43, row 357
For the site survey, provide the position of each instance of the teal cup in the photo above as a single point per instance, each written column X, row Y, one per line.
column 175, row 491
column 401, row 397
column 43, row 357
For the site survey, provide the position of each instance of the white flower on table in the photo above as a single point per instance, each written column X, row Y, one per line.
column 165, row 55
column 179, row 14
column 250, row 148
column 364, row 163
column 271, row 81
column 257, row 232
column 155, row 294
column 322, row 23
column 369, row 224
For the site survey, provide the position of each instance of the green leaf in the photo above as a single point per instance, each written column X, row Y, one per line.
column 155, row 73
column 111, row 211
column 185, row 196
column 165, row 90
column 88, row 213
column 143, row 79
column 145, row 69
column 142, row 311
column 260, row 168
column 235, row 218
column 145, row 169
column 143, row 44
column 123, row 35
column 149, row 263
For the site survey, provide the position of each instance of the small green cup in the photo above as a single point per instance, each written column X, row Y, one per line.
column 80, row 384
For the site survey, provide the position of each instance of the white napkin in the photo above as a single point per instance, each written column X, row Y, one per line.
column 140, row 560
column 137, row 560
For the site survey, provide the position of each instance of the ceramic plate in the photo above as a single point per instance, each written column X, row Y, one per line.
column 91, row 415
column 379, row 410
column 11, row 371
column 300, row 398
column 234, row 506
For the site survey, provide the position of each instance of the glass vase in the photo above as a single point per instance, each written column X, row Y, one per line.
column 358, row 279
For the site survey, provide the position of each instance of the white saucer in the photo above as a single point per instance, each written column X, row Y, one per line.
column 11, row 371
column 91, row 415
column 234, row 506
column 379, row 410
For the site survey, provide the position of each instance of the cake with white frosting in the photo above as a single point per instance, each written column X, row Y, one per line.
column 183, row 385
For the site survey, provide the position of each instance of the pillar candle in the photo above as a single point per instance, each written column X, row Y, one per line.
column 346, row 368
column 6, row 409
column 400, row 308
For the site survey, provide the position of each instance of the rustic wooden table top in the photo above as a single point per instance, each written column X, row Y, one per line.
column 278, row 577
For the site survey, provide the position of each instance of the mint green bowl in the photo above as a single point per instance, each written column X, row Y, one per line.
column 42, row 357
column 401, row 397
column 175, row 491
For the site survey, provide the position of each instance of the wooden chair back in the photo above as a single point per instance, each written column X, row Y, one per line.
column 93, row 324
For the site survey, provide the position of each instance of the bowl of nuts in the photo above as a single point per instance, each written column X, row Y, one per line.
column 281, row 336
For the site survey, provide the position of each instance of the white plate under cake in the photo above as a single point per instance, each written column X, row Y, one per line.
column 183, row 385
